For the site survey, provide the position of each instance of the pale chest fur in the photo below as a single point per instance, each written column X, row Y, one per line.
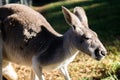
column 60, row 64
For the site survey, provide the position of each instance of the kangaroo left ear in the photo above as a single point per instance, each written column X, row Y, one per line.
column 80, row 13
column 70, row 18
column 67, row 15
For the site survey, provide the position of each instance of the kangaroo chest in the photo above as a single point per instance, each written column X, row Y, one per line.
column 60, row 64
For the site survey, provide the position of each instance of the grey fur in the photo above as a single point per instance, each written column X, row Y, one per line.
column 28, row 39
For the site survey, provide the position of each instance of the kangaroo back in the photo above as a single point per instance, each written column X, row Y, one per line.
column 25, row 33
column 17, row 11
column 24, row 30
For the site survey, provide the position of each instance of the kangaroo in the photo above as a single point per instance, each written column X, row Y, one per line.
column 28, row 39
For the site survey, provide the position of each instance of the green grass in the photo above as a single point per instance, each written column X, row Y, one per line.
column 104, row 18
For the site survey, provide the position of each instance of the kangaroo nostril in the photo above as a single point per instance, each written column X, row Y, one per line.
column 103, row 53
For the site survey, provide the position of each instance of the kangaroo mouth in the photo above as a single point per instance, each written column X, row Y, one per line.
column 98, row 58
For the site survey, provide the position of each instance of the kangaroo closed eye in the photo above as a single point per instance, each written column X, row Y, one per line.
column 86, row 36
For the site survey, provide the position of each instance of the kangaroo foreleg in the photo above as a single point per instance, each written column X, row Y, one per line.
column 65, row 73
column 37, row 69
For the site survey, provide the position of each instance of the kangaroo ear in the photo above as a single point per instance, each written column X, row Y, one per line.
column 80, row 13
column 70, row 18
column 67, row 15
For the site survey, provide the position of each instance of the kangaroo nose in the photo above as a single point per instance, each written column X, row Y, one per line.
column 99, row 52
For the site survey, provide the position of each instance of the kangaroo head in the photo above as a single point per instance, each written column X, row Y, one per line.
column 83, row 38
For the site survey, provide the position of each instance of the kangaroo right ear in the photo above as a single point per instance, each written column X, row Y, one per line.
column 80, row 13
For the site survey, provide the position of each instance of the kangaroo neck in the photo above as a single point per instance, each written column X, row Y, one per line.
column 68, row 42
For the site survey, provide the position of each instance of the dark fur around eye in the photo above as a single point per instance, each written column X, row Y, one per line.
column 85, row 37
